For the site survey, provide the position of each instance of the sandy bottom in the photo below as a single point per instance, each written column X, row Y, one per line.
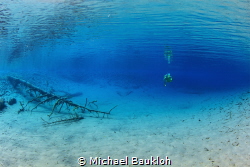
column 190, row 128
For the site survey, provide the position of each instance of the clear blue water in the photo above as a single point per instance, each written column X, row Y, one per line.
column 114, row 51
column 210, row 40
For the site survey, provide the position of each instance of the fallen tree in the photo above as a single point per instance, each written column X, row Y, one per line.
column 42, row 97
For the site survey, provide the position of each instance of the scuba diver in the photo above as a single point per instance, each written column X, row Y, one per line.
column 168, row 54
column 167, row 78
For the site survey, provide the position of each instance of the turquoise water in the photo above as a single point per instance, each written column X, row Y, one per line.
column 117, row 52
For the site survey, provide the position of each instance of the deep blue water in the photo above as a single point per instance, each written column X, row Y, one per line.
column 125, row 40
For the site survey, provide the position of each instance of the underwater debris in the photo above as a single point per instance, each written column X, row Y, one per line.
column 12, row 101
column 43, row 97
column 2, row 104
column 21, row 109
column 93, row 103
column 73, row 118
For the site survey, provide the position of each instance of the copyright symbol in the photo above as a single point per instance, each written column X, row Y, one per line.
column 82, row 161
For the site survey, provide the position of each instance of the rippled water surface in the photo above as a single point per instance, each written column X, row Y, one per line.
column 209, row 40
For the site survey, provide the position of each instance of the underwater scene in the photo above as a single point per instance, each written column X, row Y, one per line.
column 124, row 83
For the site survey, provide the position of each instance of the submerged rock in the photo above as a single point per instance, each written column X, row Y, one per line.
column 12, row 101
column 2, row 104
